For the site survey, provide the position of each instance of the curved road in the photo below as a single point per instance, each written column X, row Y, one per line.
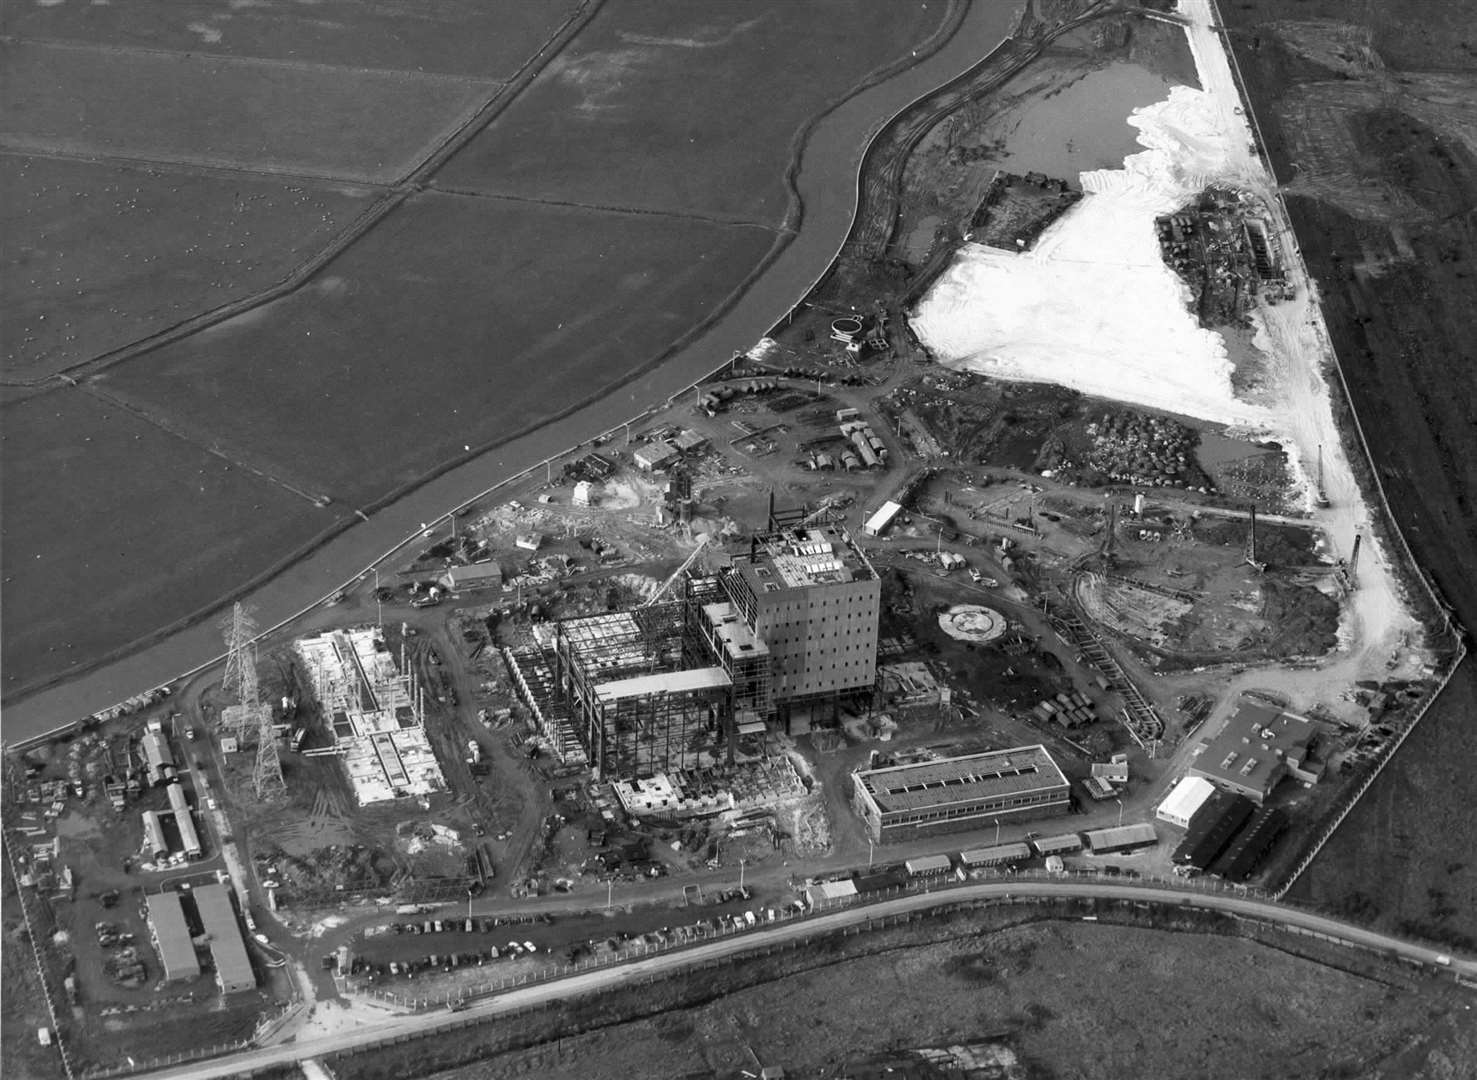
column 610, row 977
column 826, row 181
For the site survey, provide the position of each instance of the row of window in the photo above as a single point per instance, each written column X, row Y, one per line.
column 980, row 809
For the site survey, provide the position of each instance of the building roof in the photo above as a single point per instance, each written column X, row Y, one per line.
column 156, row 749
column 671, row 682
column 1188, row 796
column 654, row 454
column 1056, row 845
column 929, row 864
column 883, row 517
column 738, row 637
column 962, row 779
column 796, row 558
column 477, row 573
column 172, row 936
column 688, row 439
column 998, row 854
column 1249, row 751
column 232, row 965
column 1122, row 836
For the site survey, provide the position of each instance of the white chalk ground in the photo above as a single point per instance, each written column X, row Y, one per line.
column 1093, row 307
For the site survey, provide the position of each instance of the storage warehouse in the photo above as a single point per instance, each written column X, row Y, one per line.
column 184, row 821
column 1247, row 849
column 1188, row 796
column 488, row 575
column 232, row 966
column 879, row 522
column 928, row 866
column 1061, row 844
column 1122, row 839
column 1212, row 827
column 1000, row 855
column 950, row 794
column 171, row 936
column 831, row 893
column 1256, row 750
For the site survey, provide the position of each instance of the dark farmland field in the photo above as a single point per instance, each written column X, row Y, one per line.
column 148, row 524
column 408, row 345
column 205, row 110
column 456, row 322
column 1396, row 275
column 736, row 84
column 489, row 39
column 110, row 253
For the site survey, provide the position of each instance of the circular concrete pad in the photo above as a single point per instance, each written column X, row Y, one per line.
column 971, row 622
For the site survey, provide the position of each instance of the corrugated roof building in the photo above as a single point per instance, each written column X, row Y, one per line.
column 232, row 965
column 1121, row 839
column 171, row 936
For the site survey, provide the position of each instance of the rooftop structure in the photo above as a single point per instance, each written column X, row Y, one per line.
column 375, row 713
column 644, row 690
column 966, row 792
column 232, row 966
column 1258, row 747
column 1188, row 796
column 171, row 936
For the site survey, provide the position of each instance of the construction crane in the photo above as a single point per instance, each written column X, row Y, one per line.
column 667, row 585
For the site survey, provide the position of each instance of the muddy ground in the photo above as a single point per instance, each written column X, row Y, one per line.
column 1366, row 111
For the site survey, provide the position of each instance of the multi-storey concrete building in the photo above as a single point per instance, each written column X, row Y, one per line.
column 812, row 600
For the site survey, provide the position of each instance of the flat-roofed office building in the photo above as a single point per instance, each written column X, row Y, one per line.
column 952, row 794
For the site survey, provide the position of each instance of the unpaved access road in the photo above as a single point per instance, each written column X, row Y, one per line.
column 606, row 978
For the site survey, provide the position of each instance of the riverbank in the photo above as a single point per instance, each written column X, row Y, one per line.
column 825, row 180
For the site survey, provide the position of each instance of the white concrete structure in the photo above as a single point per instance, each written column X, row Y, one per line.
column 375, row 713
column 1188, row 796
column 878, row 523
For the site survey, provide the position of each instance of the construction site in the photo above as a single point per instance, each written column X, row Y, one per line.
column 376, row 713
column 850, row 592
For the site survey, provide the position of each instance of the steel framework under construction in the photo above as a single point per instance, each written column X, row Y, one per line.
column 647, row 694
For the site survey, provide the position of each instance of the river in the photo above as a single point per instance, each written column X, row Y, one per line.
column 826, row 181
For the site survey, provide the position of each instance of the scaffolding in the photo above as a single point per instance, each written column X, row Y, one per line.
column 645, row 691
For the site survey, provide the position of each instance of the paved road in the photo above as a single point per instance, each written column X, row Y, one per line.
column 608, row 977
